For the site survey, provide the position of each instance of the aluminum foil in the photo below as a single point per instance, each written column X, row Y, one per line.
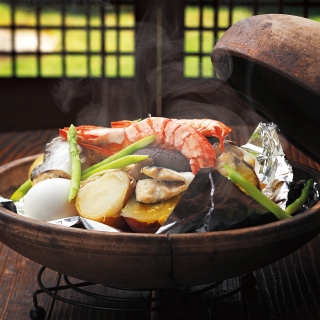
column 273, row 170
column 213, row 203
column 8, row 204
column 67, row 222
column 80, row 222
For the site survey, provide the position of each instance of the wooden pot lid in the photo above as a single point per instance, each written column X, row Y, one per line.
column 275, row 60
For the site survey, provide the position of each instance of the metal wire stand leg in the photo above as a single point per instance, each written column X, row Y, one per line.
column 154, row 303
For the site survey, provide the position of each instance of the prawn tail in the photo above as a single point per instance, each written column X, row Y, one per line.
column 83, row 132
column 63, row 133
column 96, row 150
column 194, row 166
column 122, row 123
column 83, row 137
column 218, row 130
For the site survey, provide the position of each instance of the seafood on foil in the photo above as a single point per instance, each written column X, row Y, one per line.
column 178, row 144
column 179, row 185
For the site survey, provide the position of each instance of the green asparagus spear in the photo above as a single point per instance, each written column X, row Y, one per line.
column 75, row 163
column 124, row 152
column 298, row 203
column 257, row 195
column 21, row 191
column 116, row 164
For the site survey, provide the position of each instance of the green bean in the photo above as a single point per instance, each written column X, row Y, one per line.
column 124, row 152
column 116, row 164
column 298, row 203
column 75, row 163
column 21, row 191
column 257, row 195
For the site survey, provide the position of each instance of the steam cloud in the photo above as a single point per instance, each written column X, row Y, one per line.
column 106, row 100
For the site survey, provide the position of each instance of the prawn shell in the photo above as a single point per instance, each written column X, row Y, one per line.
column 207, row 127
column 169, row 136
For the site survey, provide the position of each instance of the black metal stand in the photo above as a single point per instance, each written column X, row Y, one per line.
column 156, row 300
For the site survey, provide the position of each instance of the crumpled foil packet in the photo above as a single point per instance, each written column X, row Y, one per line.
column 213, row 203
column 273, row 170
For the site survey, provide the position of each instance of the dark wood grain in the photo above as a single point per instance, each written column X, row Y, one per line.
column 19, row 144
column 287, row 289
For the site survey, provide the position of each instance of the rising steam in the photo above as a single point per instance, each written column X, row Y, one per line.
column 159, row 87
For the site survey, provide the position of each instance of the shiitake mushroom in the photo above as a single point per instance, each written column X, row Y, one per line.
column 167, row 159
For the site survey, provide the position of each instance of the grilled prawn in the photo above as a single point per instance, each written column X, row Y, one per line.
column 170, row 135
column 207, row 127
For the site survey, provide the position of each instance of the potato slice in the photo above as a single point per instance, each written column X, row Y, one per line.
column 148, row 218
column 102, row 199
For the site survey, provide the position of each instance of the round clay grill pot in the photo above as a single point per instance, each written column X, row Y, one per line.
column 151, row 261
column 244, row 57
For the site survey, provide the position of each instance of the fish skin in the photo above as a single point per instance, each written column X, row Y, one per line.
column 56, row 162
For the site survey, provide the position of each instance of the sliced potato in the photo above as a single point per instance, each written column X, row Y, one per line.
column 102, row 199
column 147, row 218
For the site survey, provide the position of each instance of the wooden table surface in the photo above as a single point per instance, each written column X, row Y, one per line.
column 288, row 289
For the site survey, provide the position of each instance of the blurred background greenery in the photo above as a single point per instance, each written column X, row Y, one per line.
column 117, row 39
